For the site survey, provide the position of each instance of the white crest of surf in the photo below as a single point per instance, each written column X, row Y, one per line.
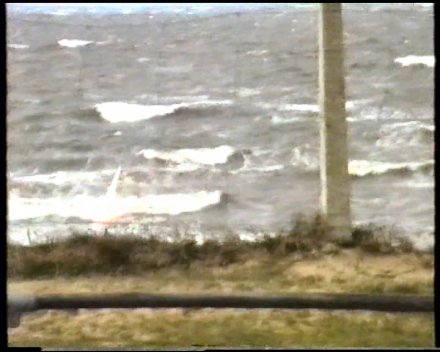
column 60, row 13
column 204, row 156
column 61, row 177
column 417, row 184
column 308, row 160
column 99, row 209
column 247, row 168
column 182, row 168
column 115, row 112
column 427, row 60
column 125, row 112
column 410, row 124
column 257, row 52
column 278, row 120
column 396, row 134
column 110, row 206
column 306, row 108
column 366, row 167
column 248, row 92
column 18, row 46
column 73, row 43
column 305, row 157
column 299, row 107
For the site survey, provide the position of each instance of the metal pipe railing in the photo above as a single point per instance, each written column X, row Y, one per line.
column 17, row 305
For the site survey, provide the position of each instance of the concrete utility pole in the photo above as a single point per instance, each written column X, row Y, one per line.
column 335, row 180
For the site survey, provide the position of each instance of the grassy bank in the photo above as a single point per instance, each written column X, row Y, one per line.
column 84, row 254
column 300, row 260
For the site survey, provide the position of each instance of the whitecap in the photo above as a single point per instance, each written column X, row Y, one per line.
column 403, row 133
column 305, row 108
column 203, row 156
column 248, row 92
column 417, row 184
column 246, row 168
column 18, row 46
column 124, row 112
column 305, row 158
column 61, row 13
column 73, row 43
column 299, row 107
column 427, row 60
column 100, row 209
column 277, row 120
column 63, row 177
column 257, row 52
column 366, row 167
column 128, row 112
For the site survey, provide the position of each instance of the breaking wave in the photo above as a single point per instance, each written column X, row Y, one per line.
column 365, row 167
column 115, row 112
column 201, row 156
column 308, row 160
column 18, row 46
column 100, row 209
column 73, row 43
column 405, row 133
column 427, row 60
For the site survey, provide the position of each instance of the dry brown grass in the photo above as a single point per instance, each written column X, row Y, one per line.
column 232, row 328
column 83, row 254
column 350, row 270
column 299, row 262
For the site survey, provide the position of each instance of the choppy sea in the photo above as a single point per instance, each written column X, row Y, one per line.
column 203, row 118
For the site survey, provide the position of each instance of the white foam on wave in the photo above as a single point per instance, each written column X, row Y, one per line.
column 142, row 59
column 257, row 52
column 100, row 209
column 73, row 43
column 63, row 177
column 18, row 46
column 305, row 108
column 278, row 120
column 379, row 113
column 248, row 92
column 247, row 168
column 61, row 13
column 366, row 167
column 115, row 112
column 417, row 184
column 427, row 60
column 305, row 157
column 308, row 160
column 407, row 124
column 124, row 112
column 403, row 133
column 203, row 156
column 299, row 107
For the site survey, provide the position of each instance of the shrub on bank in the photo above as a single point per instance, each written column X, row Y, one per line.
column 80, row 254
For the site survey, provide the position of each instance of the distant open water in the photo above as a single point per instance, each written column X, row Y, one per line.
column 211, row 116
